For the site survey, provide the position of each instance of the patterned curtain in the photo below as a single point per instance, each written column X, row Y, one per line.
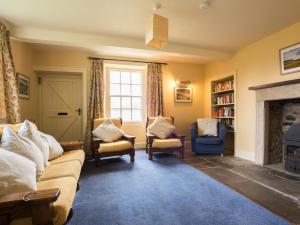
column 9, row 98
column 154, row 90
column 96, row 100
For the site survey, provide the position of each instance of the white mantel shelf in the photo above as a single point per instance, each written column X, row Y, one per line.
column 277, row 84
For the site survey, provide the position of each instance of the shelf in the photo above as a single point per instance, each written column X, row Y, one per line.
column 222, row 104
column 229, row 117
column 220, row 92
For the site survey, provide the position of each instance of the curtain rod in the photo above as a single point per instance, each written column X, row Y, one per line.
column 124, row 60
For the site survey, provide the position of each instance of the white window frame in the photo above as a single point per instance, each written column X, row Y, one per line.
column 125, row 68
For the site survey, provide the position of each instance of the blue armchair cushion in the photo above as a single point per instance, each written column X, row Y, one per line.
column 208, row 140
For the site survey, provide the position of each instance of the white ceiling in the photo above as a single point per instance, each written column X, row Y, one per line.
column 226, row 26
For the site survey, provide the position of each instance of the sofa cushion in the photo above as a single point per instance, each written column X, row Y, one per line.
column 17, row 173
column 62, row 206
column 24, row 147
column 70, row 156
column 99, row 121
column 27, row 130
column 207, row 140
column 166, row 143
column 65, row 169
column 115, row 146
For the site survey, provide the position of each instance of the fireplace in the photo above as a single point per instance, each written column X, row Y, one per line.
column 292, row 149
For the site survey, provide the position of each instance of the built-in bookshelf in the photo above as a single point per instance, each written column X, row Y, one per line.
column 223, row 100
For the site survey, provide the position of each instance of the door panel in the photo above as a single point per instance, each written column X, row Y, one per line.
column 61, row 97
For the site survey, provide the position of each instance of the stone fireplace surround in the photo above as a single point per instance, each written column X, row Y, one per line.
column 264, row 94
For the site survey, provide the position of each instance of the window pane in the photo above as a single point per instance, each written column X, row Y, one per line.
column 136, row 90
column 114, row 89
column 125, row 89
column 126, row 102
column 125, row 77
column 114, row 77
column 136, row 103
column 136, row 78
column 136, row 115
column 115, row 113
column 126, row 115
column 115, row 102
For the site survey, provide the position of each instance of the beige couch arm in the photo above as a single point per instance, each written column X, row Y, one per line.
column 35, row 204
column 71, row 145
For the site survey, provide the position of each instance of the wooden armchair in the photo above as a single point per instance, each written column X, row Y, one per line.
column 172, row 143
column 123, row 146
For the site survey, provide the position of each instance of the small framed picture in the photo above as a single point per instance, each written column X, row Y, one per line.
column 290, row 59
column 183, row 94
column 24, row 86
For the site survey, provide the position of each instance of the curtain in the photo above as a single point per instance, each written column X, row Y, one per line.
column 9, row 98
column 154, row 90
column 96, row 100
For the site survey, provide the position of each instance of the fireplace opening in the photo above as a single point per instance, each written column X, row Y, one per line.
column 281, row 116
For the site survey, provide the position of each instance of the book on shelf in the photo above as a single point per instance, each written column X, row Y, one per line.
column 223, row 86
column 224, row 99
column 223, row 112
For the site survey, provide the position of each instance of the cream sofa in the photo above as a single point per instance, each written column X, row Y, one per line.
column 52, row 202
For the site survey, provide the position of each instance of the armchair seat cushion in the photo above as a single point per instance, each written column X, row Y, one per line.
column 117, row 146
column 66, row 169
column 166, row 143
column 70, row 156
column 208, row 140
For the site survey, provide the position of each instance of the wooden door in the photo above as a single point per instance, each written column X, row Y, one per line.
column 61, row 107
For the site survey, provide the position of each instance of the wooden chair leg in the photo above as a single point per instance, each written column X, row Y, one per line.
column 132, row 154
column 97, row 159
column 150, row 154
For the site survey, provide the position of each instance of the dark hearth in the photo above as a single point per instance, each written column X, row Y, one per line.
column 291, row 142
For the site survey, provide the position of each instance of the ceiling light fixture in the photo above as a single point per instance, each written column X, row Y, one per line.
column 204, row 5
column 157, row 29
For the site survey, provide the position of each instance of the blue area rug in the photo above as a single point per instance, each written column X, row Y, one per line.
column 165, row 191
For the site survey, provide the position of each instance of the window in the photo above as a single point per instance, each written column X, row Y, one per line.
column 126, row 94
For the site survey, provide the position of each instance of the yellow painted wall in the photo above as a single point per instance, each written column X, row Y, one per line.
column 255, row 64
column 23, row 59
column 184, row 113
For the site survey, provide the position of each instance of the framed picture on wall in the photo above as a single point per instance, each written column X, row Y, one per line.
column 24, row 86
column 183, row 94
column 290, row 59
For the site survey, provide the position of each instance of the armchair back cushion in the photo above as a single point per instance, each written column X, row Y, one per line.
column 107, row 131
column 99, row 121
column 161, row 128
column 207, row 126
column 150, row 120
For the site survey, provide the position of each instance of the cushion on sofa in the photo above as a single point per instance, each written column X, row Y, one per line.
column 166, row 143
column 65, row 169
column 17, row 173
column 208, row 140
column 115, row 146
column 29, row 131
column 24, row 147
column 70, row 156
column 55, row 149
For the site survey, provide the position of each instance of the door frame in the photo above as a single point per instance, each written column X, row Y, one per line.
column 42, row 71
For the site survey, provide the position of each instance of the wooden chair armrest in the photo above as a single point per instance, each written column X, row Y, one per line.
column 35, row 204
column 129, row 138
column 71, row 145
column 96, row 142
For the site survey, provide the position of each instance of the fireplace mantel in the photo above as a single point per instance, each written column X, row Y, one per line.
column 277, row 84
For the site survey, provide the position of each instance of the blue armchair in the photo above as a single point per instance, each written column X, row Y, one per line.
column 208, row 144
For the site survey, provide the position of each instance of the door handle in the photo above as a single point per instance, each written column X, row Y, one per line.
column 78, row 111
